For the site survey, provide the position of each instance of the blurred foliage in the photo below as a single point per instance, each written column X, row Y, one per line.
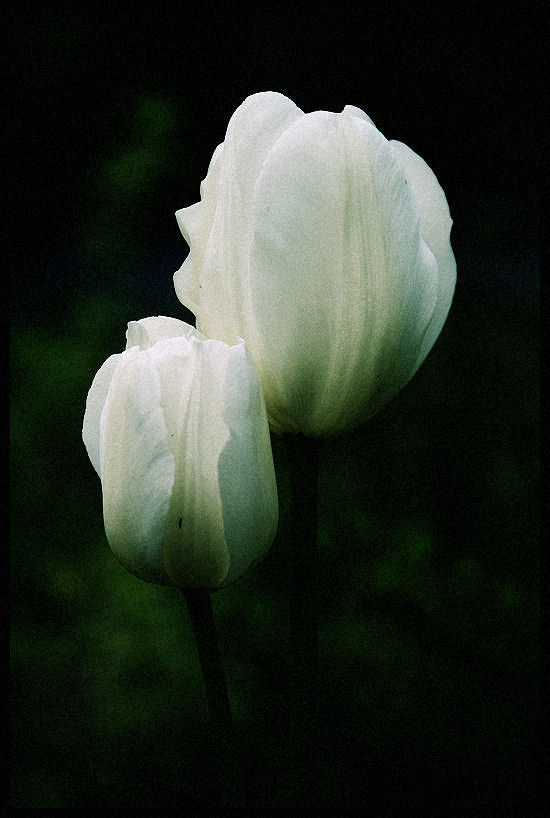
column 120, row 218
column 427, row 582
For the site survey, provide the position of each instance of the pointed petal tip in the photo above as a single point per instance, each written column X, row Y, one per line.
column 188, row 219
column 352, row 110
column 145, row 332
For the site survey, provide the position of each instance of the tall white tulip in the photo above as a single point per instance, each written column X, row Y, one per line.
column 326, row 247
column 176, row 428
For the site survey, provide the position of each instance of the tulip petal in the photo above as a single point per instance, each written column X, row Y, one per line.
column 175, row 393
column 341, row 282
column 435, row 226
column 147, row 331
column 194, row 223
column 137, row 467
column 246, row 473
column 352, row 110
column 223, row 511
column 95, row 402
column 221, row 236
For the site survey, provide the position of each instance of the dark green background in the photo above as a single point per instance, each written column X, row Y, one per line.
column 428, row 516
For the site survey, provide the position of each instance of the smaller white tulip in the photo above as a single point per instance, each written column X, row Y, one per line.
column 176, row 428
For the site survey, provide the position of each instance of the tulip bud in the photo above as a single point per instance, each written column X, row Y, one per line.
column 176, row 429
column 326, row 247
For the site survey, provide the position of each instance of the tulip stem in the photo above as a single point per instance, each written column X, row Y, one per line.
column 304, row 674
column 202, row 622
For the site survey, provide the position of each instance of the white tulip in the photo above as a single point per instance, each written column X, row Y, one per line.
column 176, row 429
column 326, row 247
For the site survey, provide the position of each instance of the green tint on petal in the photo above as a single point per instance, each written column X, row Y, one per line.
column 223, row 512
column 195, row 548
column 342, row 285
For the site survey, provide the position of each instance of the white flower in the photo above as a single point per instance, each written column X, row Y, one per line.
column 176, row 429
column 327, row 249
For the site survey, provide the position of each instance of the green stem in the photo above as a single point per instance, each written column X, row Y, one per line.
column 304, row 654
column 204, row 630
